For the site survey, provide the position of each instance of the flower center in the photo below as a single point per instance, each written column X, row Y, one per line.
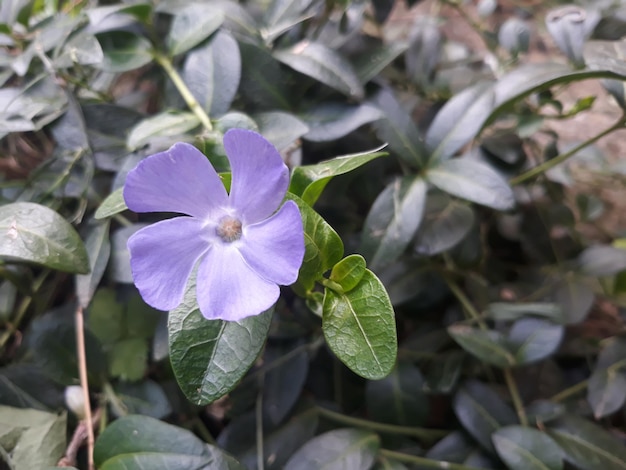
column 229, row 229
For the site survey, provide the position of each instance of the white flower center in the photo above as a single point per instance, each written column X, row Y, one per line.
column 229, row 229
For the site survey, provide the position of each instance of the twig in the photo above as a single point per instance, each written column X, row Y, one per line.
column 78, row 439
column 82, row 370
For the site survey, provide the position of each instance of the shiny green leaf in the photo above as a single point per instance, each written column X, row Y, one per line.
column 534, row 339
column 348, row 272
column 123, row 51
column 165, row 124
column 191, row 25
column 489, row 346
column 523, row 448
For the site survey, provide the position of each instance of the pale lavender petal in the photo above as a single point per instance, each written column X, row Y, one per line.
column 180, row 179
column 274, row 248
column 228, row 289
column 259, row 175
column 162, row 257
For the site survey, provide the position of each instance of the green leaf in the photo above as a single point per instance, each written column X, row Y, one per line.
column 534, row 339
column 191, row 25
column 523, row 448
column 282, row 15
column 140, row 11
column 348, row 272
column 146, row 398
column 141, row 442
column 508, row 311
column 28, row 386
column 209, row 357
column 267, row 90
column 399, row 398
column 489, row 346
column 586, row 445
column 337, row 450
column 281, row 129
column 309, row 181
column 575, row 298
column 98, row 248
column 393, row 220
column 212, row 73
column 323, row 64
column 331, row 121
column 323, row 247
column 602, row 260
column 482, row 412
column 113, row 204
column 459, row 121
column 37, row 234
column 165, row 124
column 128, row 359
column 606, row 391
column 360, row 328
column 445, row 224
column 399, row 130
column 474, row 181
column 370, row 63
column 123, row 51
column 34, row 439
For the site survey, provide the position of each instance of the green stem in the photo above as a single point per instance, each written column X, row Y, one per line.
column 466, row 303
column 515, row 396
column 202, row 430
column 423, row 461
column 186, row 94
column 420, row 433
column 545, row 166
column 260, row 458
column 570, row 391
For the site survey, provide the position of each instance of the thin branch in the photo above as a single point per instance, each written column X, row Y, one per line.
column 82, row 370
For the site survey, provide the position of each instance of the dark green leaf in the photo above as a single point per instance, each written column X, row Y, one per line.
column 336, row 450
column 27, row 386
column 191, row 25
column 212, row 73
column 267, row 89
column 323, row 247
column 309, row 181
column 399, row 130
column 393, row 220
column 523, row 448
column 146, row 398
column 482, row 412
column 445, row 223
column 606, row 391
column 128, row 359
column 98, row 248
column 281, row 129
column 586, row 445
column 370, row 63
column 575, row 298
column 360, row 328
column 508, row 311
column 348, row 272
column 444, row 372
column 113, row 204
column 489, row 346
column 209, row 357
column 398, row 398
column 534, row 339
column 36, row 234
column 282, row 15
column 474, row 181
column 120, row 257
column 331, row 121
column 167, row 123
column 323, row 64
column 459, row 121
column 124, row 51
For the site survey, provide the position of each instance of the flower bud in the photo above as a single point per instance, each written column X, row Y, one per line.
column 74, row 400
column 570, row 26
column 514, row 36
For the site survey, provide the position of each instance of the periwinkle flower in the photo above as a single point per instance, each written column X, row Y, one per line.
column 243, row 245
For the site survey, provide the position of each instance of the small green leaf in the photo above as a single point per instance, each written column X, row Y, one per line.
column 98, row 247
column 128, row 359
column 474, row 181
column 489, row 346
column 281, row 129
column 393, row 220
column 146, row 398
column 360, row 328
column 167, row 123
column 507, row 311
column 336, row 450
column 348, row 272
column 602, row 260
column 191, row 25
column 606, row 391
column 34, row 233
column 123, row 51
column 534, row 339
column 523, row 448
column 269, row 89
column 575, row 297
column 331, row 121
column 370, row 63
column 323, row 247
column 209, row 357
column 323, row 64
column 309, row 181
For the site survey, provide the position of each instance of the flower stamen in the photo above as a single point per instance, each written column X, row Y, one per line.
column 229, row 229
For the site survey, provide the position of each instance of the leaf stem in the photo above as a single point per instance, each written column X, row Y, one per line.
column 515, row 396
column 570, row 391
column 547, row 165
column 82, row 370
column 184, row 91
column 423, row 461
column 420, row 433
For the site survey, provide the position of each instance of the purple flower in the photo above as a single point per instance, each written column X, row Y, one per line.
column 242, row 246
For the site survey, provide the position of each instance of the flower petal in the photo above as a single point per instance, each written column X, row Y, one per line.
column 180, row 179
column 274, row 248
column 260, row 177
column 162, row 257
column 228, row 289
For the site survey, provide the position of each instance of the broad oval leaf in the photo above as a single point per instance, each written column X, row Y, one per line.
column 309, row 181
column 331, row 121
column 534, row 339
column 575, row 298
column 482, row 412
column 370, row 63
column 281, row 129
column 586, row 445
column 192, row 25
column 323, row 64
column 473, row 181
column 337, row 450
column 602, row 260
column 209, row 357
column 606, row 391
column 37, row 234
column 508, row 311
column 360, row 328
column 267, row 90
column 490, row 346
column 123, row 51
column 167, row 123
column 393, row 220
column 212, row 73
column 113, row 204
column 523, row 448
column 348, row 272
